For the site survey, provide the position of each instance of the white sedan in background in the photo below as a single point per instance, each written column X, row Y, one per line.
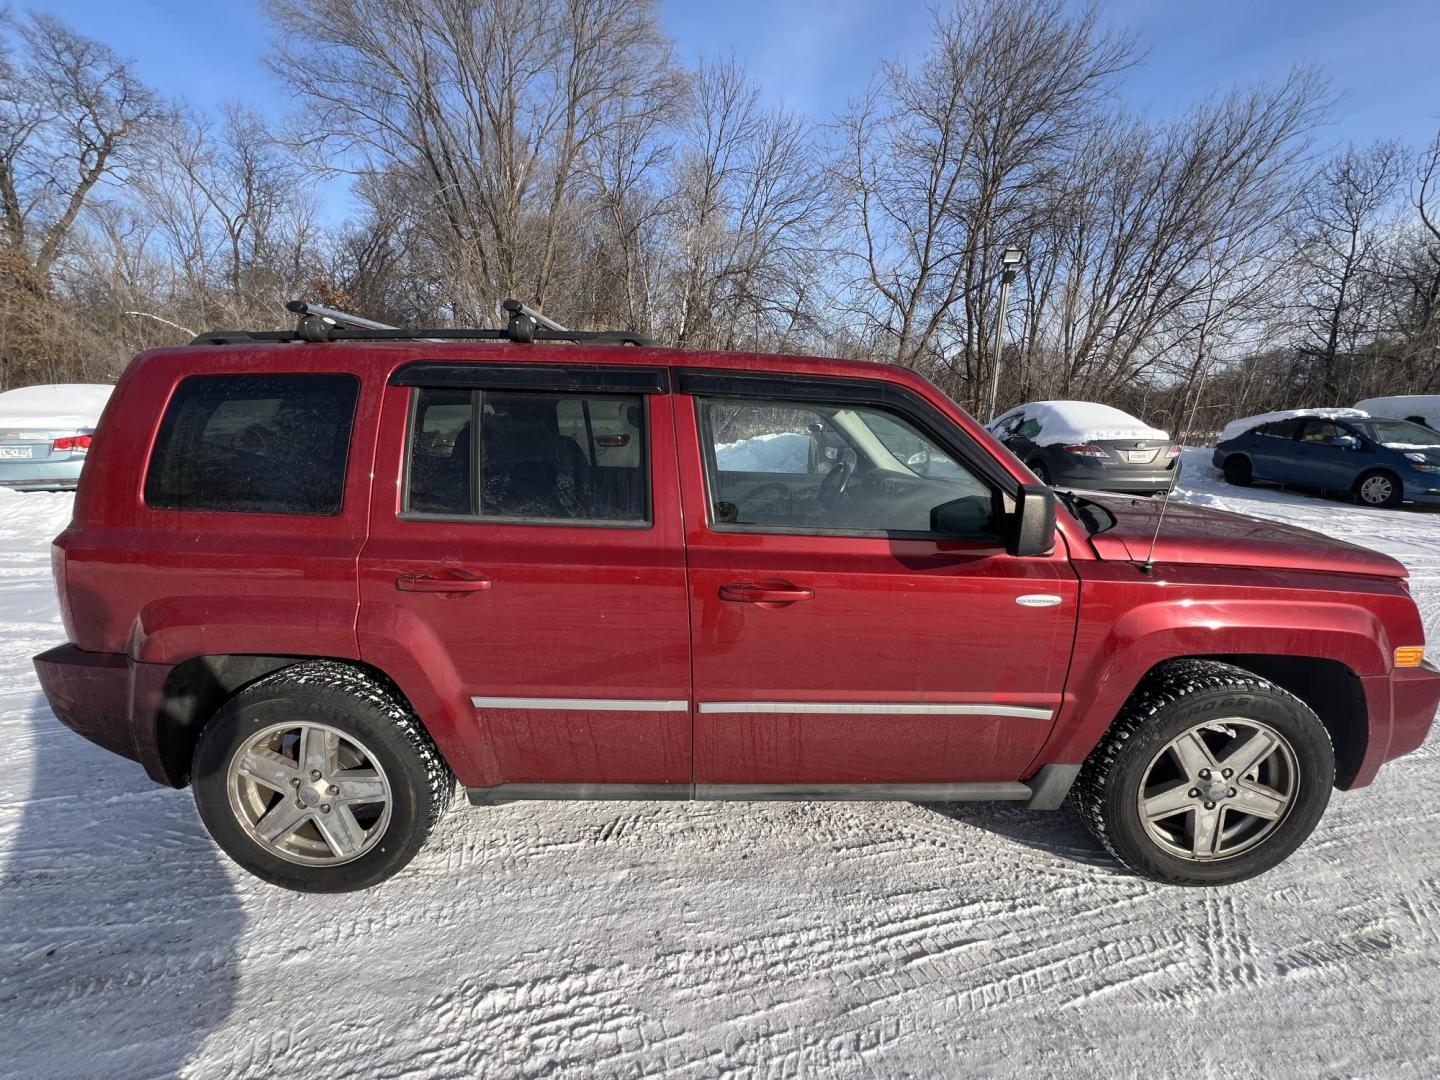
column 45, row 434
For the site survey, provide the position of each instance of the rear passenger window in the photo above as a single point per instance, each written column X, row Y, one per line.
column 538, row 457
column 255, row 444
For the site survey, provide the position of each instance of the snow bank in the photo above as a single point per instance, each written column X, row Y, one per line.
column 1404, row 406
column 1236, row 428
column 57, row 405
column 775, row 451
column 1064, row 422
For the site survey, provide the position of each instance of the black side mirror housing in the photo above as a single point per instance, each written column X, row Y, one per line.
column 1032, row 527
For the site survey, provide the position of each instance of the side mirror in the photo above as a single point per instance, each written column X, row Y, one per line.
column 1346, row 442
column 1032, row 528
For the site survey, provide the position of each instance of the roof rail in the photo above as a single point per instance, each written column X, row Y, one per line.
column 320, row 324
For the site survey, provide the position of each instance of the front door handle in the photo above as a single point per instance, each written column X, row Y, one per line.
column 444, row 581
column 744, row 592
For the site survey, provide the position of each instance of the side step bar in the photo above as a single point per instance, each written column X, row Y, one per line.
column 1046, row 791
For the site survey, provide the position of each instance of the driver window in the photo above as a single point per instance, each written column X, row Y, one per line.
column 1320, row 431
column 811, row 467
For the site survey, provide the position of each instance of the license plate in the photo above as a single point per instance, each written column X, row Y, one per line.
column 1139, row 457
column 15, row 451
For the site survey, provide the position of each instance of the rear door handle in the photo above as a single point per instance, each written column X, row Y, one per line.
column 744, row 592
column 444, row 581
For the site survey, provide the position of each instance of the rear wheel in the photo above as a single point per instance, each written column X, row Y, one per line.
column 1210, row 775
column 1379, row 488
column 316, row 778
column 1238, row 471
column 1041, row 472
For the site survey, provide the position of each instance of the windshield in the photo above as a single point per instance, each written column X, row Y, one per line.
column 1397, row 431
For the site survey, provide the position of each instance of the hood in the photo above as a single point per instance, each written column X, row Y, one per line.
column 1198, row 535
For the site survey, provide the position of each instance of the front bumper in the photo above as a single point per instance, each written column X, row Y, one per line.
column 1410, row 696
column 1422, row 488
column 109, row 699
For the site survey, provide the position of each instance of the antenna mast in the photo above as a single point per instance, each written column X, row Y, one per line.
column 1149, row 564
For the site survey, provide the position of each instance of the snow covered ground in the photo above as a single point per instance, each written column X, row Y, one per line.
column 591, row 939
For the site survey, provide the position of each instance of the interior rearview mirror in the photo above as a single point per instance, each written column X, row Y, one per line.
column 1032, row 526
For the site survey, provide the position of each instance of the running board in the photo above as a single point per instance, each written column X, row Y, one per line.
column 1045, row 792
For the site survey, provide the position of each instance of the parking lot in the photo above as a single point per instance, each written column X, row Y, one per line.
column 766, row 939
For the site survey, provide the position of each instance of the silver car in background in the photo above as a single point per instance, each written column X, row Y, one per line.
column 1084, row 444
column 45, row 434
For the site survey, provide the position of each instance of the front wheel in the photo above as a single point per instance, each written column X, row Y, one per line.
column 1210, row 775
column 316, row 778
column 1379, row 488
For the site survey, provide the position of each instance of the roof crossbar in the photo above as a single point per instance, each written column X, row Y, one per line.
column 323, row 324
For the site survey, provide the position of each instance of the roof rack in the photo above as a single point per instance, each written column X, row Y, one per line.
column 318, row 324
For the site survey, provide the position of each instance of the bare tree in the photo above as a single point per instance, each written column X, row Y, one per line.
column 493, row 104
column 942, row 166
column 70, row 114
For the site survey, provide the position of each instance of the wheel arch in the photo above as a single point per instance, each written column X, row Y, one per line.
column 195, row 689
column 1328, row 687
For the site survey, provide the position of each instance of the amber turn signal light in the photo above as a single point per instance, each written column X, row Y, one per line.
column 1410, row 656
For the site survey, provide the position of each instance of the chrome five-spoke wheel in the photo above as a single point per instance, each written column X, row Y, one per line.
column 309, row 793
column 1218, row 789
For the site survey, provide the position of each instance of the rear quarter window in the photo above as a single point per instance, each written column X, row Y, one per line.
column 256, row 444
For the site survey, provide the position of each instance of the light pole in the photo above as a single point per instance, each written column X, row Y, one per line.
column 1009, row 266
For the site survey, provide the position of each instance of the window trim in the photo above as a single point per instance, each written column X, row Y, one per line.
column 540, row 378
column 283, row 514
column 711, row 468
column 477, row 407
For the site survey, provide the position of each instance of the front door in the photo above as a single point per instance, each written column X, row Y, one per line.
column 525, row 573
column 855, row 618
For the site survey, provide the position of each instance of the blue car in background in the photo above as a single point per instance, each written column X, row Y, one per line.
column 1381, row 462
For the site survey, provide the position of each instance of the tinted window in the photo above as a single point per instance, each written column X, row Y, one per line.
column 837, row 469
column 259, row 444
column 549, row 457
column 1281, row 429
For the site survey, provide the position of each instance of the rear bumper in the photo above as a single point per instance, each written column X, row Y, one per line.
column 109, row 699
column 1410, row 696
column 56, row 474
column 1123, row 481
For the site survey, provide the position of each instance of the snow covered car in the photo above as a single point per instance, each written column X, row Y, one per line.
column 1083, row 444
column 45, row 434
column 1417, row 408
column 321, row 575
column 1380, row 462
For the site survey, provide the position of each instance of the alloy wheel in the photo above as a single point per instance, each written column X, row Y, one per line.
column 309, row 793
column 1218, row 789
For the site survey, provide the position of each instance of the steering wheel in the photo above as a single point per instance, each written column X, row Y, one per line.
column 833, row 486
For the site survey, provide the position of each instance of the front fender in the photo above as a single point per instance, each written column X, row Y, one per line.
column 1127, row 628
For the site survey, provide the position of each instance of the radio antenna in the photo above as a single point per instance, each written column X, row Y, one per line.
column 1148, row 565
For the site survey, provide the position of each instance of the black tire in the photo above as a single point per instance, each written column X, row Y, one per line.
column 1173, row 699
column 1238, row 471
column 1041, row 472
column 1386, row 485
column 349, row 701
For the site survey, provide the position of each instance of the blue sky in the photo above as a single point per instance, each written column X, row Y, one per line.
column 1381, row 55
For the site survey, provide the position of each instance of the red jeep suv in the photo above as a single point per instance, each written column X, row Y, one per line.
column 320, row 575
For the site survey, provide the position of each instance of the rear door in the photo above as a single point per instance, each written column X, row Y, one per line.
column 855, row 618
column 525, row 571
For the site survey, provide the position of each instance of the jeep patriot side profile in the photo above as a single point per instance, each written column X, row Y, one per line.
column 321, row 581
